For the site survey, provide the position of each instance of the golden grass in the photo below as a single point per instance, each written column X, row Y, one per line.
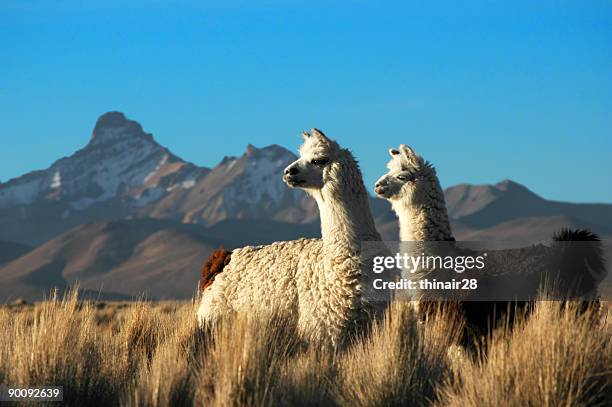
column 559, row 356
column 153, row 354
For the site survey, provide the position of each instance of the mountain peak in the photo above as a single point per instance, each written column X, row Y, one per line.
column 509, row 186
column 113, row 119
column 227, row 159
column 113, row 125
column 271, row 152
column 275, row 148
column 467, row 199
column 508, row 183
column 251, row 149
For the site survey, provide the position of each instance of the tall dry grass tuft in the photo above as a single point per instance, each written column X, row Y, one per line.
column 168, row 380
column 308, row 379
column 558, row 356
column 244, row 360
column 400, row 363
column 141, row 332
column 57, row 345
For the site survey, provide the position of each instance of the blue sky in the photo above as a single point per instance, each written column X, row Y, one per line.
column 485, row 90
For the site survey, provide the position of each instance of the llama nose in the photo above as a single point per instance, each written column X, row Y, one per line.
column 379, row 188
column 291, row 171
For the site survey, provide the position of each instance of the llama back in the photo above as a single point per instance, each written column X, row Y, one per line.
column 260, row 277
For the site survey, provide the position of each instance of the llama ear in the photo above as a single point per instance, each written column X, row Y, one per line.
column 410, row 155
column 408, row 152
column 318, row 133
column 393, row 152
column 305, row 135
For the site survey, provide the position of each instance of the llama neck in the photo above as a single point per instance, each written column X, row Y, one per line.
column 423, row 217
column 346, row 221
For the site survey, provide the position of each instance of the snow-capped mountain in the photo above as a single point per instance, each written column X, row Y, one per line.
column 121, row 162
column 119, row 171
column 123, row 172
column 246, row 187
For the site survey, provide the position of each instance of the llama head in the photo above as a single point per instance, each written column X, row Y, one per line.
column 319, row 162
column 409, row 175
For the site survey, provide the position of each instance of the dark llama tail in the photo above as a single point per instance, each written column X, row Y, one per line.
column 213, row 266
column 582, row 264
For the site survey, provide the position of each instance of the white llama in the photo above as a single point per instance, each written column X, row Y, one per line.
column 318, row 282
column 413, row 189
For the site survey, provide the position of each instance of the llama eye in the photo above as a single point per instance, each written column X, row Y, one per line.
column 402, row 177
column 319, row 161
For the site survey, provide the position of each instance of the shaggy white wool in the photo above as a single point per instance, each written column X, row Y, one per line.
column 319, row 282
column 264, row 277
column 416, row 197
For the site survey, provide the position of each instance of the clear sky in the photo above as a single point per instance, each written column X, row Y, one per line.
column 485, row 90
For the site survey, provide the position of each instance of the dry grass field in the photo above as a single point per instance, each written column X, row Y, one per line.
column 152, row 354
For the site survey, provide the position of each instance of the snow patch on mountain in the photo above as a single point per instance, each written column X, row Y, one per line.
column 231, row 165
column 161, row 163
column 56, row 181
column 190, row 183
